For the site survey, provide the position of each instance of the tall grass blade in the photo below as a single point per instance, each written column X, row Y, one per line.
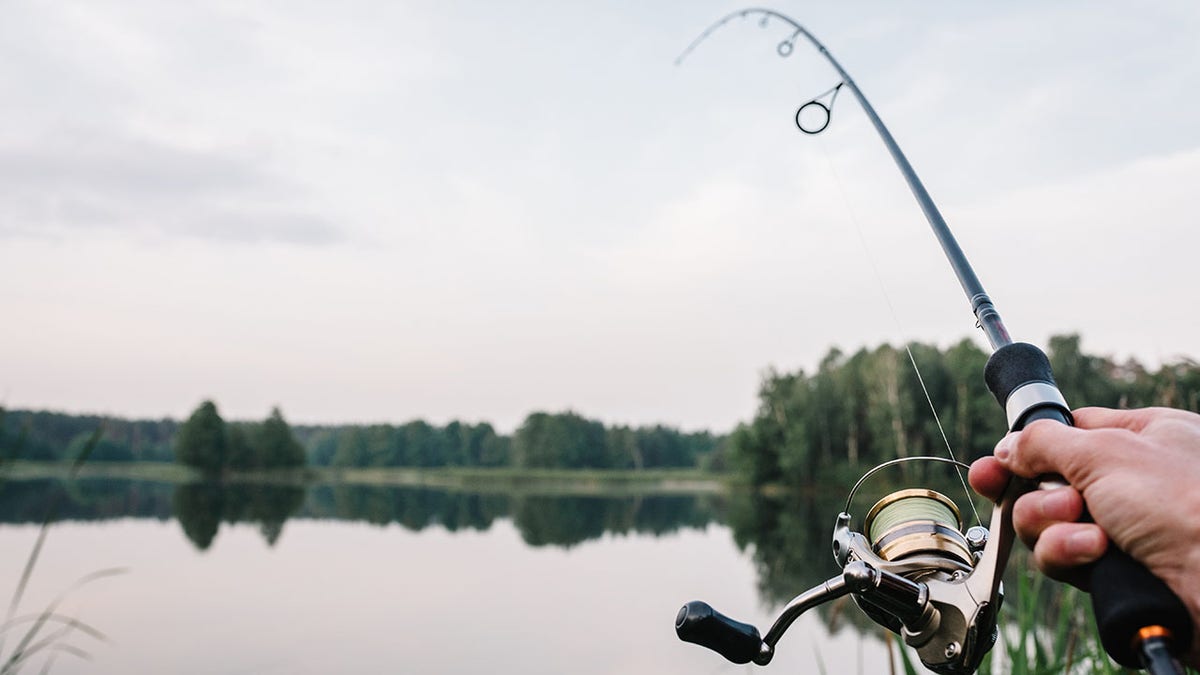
column 22, row 649
column 86, row 451
column 23, row 582
column 81, row 626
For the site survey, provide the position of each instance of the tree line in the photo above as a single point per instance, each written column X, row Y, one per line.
column 568, row 440
column 855, row 411
column 851, row 412
column 45, row 436
column 562, row 440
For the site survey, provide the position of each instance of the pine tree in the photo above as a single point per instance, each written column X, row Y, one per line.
column 202, row 442
column 275, row 444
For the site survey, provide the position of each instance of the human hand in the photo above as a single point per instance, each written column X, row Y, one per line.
column 1132, row 468
column 1137, row 471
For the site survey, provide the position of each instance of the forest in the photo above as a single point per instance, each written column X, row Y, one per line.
column 855, row 411
column 852, row 411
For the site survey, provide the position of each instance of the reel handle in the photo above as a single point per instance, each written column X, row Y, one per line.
column 698, row 623
column 1126, row 597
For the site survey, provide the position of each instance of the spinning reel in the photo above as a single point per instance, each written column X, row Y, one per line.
column 911, row 569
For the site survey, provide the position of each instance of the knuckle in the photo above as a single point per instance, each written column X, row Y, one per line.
column 1050, row 551
column 1045, row 559
column 1026, row 522
column 1106, row 450
column 1032, row 443
column 1026, row 510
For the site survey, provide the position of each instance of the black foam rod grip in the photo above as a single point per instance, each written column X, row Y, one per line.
column 700, row 624
column 1126, row 597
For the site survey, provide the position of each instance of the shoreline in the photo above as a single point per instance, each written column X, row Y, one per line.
column 503, row 479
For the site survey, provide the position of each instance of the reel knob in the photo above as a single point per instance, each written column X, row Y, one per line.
column 698, row 623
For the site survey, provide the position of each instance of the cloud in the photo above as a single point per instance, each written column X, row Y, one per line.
column 101, row 180
column 291, row 228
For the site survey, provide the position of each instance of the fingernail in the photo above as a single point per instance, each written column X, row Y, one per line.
column 1085, row 545
column 1055, row 502
column 1005, row 446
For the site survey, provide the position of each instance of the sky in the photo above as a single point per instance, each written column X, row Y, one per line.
column 379, row 211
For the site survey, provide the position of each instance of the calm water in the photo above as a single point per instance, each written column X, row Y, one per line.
column 407, row 580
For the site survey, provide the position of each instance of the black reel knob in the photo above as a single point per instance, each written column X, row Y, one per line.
column 700, row 624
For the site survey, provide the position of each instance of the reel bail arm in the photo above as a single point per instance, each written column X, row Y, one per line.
column 697, row 622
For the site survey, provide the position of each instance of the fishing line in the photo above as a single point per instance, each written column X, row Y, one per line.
column 862, row 240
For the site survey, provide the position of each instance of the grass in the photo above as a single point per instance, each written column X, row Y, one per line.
column 150, row 471
column 47, row 631
column 544, row 481
column 505, row 479
column 1046, row 629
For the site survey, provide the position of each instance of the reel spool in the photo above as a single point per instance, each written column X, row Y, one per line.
column 916, row 521
column 914, row 532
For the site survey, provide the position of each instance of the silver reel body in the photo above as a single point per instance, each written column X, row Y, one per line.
column 952, row 621
column 913, row 572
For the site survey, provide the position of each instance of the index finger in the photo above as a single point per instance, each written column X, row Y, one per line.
column 988, row 477
column 1046, row 447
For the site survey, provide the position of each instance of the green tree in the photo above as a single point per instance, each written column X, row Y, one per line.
column 494, row 449
column 559, row 440
column 274, row 444
column 351, row 448
column 423, row 444
column 1083, row 379
column 202, row 442
column 241, row 454
column 105, row 449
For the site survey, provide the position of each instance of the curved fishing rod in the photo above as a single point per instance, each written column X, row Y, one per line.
column 910, row 569
column 985, row 313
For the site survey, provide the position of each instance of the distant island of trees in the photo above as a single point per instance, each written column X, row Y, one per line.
column 851, row 412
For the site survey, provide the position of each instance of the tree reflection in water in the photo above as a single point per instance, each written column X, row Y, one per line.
column 787, row 535
column 202, row 507
column 542, row 520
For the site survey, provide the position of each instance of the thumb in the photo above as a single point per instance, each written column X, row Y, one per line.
column 1048, row 447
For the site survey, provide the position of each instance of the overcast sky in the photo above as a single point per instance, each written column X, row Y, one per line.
column 376, row 211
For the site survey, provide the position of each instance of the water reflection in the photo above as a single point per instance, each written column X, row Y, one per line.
column 788, row 534
column 29, row 501
column 492, row 547
column 201, row 508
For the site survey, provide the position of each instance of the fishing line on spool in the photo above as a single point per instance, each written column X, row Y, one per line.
column 914, row 521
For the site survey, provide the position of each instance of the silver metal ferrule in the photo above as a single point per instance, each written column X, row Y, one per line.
column 1030, row 396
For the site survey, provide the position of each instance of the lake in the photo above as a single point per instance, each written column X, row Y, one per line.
column 368, row 579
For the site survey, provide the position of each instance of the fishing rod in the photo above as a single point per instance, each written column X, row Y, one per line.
column 910, row 567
